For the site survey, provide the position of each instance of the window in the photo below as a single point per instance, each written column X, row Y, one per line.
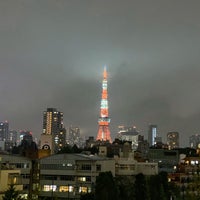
column 83, row 189
column 98, row 167
column 48, row 188
column 26, row 165
column 84, row 178
column 68, row 188
column 66, row 178
column 48, row 177
column 25, row 176
column 132, row 167
column 68, row 166
column 13, row 178
column 123, row 167
column 86, row 167
column 88, row 178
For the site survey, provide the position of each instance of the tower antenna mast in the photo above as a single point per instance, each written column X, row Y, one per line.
column 104, row 120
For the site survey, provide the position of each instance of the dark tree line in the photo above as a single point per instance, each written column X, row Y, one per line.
column 11, row 194
column 75, row 149
column 139, row 187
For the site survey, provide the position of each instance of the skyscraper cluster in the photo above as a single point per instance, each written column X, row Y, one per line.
column 55, row 136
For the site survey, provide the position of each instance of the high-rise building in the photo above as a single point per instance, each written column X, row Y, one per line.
column 104, row 120
column 11, row 140
column 152, row 134
column 4, row 131
column 14, row 137
column 54, row 133
column 173, row 140
column 194, row 141
column 52, row 121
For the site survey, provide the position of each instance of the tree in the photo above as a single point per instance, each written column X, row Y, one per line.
column 11, row 194
column 125, row 187
column 105, row 187
column 174, row 190
column 157, row 190
column 140, row 187
column 87, row 196
column 164, row 183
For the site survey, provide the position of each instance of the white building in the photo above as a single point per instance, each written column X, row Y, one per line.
column 69, row 175
column 127, row 166
column 130, row 134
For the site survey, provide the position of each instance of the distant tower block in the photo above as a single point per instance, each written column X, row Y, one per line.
column 104, row 120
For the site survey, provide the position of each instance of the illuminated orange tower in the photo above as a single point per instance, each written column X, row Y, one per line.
column 104, row 120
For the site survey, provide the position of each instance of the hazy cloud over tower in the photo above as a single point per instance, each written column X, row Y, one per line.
column 53, row 53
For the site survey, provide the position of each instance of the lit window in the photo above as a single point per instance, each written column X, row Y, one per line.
column 66, row 188
column 192, row 162
column 82, row 179
column 47, row 188
column 83, row 189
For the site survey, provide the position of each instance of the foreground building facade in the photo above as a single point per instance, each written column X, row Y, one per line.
column 128, row 166
column 67, row 176
column 15, row 170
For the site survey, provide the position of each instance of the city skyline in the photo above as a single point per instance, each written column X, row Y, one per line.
column 53, row 53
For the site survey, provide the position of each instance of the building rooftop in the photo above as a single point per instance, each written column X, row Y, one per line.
column 68, row 156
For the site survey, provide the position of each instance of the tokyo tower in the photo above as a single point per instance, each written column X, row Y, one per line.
column 104, row 120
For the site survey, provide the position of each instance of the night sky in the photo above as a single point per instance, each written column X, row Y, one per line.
column 52, row 54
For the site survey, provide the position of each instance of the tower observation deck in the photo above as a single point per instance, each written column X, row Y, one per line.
column 104, row 120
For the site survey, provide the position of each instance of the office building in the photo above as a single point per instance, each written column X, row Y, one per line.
column 152, row 134
column 167, row 159
column 67, row 176
column 13, row 137
column 10, row 140
column 90, row 142
column 173, row 140
column 194, row 141
column 4, row 131
column 129, row 134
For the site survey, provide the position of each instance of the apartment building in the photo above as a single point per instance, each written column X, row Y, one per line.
column 17, row 169
column 9, row 175
column 128, row 166
column 67, row 176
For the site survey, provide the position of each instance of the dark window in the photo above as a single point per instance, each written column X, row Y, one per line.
column 86, row 167
column 48, row 177
column 98, row 167
column 66, row 178
column 168, row 153
column 25, row 176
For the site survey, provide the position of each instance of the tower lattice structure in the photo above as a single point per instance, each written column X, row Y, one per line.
column 104, row 120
